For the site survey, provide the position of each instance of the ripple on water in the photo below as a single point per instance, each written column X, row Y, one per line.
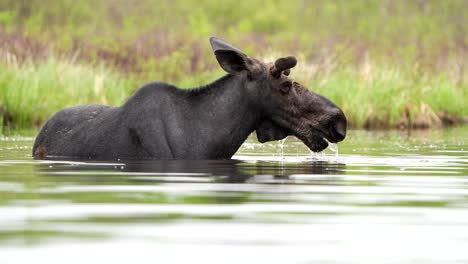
column 383, row 194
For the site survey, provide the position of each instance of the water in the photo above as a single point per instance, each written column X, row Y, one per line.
column 387, row 197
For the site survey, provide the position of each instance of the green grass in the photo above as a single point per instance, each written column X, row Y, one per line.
column 381, row 61
column 34, row 92
column 388, row 91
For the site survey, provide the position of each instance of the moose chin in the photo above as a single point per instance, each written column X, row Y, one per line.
column 161, row 121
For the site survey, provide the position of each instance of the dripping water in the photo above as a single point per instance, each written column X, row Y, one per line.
column 334, row 148
column 281, row 146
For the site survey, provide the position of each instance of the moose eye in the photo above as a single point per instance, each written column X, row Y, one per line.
column 285, row 87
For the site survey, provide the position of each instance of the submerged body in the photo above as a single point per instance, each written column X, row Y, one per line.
column 161, row 121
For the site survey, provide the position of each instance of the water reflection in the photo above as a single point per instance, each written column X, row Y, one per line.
column 384, row 193
column 221, row 171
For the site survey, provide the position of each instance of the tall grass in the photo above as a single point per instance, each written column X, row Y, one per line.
column 385, row 62
column 31, row 92
column 390, row 94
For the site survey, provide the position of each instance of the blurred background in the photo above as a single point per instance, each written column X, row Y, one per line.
column 388, row 64
column 386, row 196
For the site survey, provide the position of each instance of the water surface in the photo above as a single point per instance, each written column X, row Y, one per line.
column 387, row 197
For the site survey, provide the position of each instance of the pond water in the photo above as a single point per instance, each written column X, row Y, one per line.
column 384, row 197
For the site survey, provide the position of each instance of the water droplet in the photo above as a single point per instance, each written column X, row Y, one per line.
column 334, row 148
column 281, row 146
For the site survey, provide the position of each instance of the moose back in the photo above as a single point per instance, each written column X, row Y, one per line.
column 161, row 121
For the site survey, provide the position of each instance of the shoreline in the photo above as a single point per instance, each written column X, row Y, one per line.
column 350, row 52
column 33, row 92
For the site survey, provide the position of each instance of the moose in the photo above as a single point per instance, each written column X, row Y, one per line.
column 161, row 121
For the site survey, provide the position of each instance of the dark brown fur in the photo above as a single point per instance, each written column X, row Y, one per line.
column 161, row 121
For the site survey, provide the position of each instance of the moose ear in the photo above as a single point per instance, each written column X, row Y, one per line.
column 231, row 59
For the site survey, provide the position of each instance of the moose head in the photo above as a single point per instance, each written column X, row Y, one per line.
column 285, row 106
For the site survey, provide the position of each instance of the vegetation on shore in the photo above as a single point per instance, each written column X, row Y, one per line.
column 386, row 63
column 32, row 93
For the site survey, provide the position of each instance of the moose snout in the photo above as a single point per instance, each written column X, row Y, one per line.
column 337, row 128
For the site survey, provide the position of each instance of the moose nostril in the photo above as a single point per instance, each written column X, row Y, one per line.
column 339, row 131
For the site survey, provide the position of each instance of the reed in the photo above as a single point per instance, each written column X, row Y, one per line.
column 31, row 93
column 387, row 63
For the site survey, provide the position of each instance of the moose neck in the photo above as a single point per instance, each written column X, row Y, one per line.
column 227, row 115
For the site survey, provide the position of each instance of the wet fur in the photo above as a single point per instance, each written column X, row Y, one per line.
column 161, row 121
